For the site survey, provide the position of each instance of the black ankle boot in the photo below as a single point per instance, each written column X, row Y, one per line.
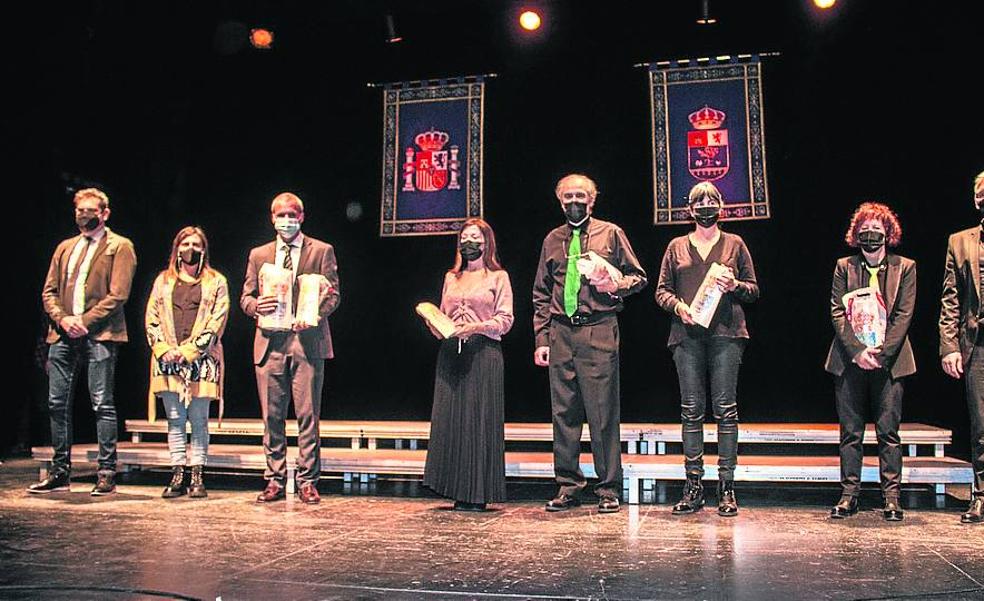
column 727, row 504
column 196, row 489
column 175, row 488
column 693, row 497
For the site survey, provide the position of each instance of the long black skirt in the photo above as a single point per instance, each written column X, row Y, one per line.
column 466, row 450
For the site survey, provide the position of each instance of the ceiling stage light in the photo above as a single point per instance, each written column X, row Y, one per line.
column 824, row 3
column 529, row 20
column 261, row 39
column 705, row 17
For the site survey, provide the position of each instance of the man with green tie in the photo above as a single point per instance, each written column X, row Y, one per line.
column 586, row 268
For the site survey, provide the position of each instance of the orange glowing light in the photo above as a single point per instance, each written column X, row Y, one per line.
column 529, row 20
column 824, row 3
column 261, row 38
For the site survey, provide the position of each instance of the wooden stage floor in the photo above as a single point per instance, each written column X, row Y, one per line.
column 392, row 540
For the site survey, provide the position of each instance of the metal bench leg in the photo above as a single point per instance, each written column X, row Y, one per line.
column 136, row 437
column 651, row 447
column 632, row 448
column 397, row 444
column 356, row 442
column 291, row 473
column 633, row 491
column 648, row 484
column 661, row 448
column 938, row 450
column 912, row 450
column 363, row 478
column 347, row 477
column 413, row 445
column 941, row 489
column 372, row 444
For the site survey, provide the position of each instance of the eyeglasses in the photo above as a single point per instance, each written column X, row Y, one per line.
column 574, row 195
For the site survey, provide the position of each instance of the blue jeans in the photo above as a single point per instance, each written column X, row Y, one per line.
column 64, row 360
column 177, row 416
column 699, row 360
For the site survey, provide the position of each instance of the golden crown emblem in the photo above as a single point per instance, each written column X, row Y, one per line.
column 707, row 118
column 432, row 140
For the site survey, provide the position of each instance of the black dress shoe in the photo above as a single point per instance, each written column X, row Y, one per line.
column 105, row 485
column 693, row 497
column 975, row 513
column 845, row 508
column 56, row 481
column 892, row 512
column 727, row 504
column 274, row 491
column 562, row 502
column 176, row 487
column 466, row 506
column 607, row 504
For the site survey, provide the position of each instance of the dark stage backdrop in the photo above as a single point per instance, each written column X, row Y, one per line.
column 150, row 101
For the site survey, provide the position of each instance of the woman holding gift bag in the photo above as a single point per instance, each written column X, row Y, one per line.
column 466, row 450
column 870, row 353
column 185, row 317
column 710, row 353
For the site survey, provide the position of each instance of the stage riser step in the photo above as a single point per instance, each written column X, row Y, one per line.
column 357, row 431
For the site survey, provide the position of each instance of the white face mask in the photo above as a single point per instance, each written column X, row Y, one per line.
column 287, row 227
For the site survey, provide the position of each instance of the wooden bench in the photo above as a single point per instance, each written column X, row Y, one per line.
column 637, row 468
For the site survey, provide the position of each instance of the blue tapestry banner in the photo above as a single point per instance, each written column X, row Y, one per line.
column 432, row 157
column 707, row 125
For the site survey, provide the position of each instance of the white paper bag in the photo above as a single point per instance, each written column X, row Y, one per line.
column 277, row 281
column 313, row 287
column 708, row 296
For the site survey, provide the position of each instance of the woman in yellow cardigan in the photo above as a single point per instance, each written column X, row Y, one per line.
column 186, row 315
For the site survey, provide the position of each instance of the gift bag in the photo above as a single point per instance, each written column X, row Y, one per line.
column 277, row 281
column 313, row 287
column 867, row 315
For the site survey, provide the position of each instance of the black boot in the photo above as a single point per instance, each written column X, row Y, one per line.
column 693, row 497
column 196, row 490
column 727, row 504
column 176, row 488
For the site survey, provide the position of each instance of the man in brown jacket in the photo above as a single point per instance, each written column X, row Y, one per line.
column 290, row 365
column 87, row 285
column 961, row 340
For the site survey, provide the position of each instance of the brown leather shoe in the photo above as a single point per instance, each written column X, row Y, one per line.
column 274, row 491
column 308, row 493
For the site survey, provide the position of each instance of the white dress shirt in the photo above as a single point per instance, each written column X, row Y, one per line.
column 78, row 267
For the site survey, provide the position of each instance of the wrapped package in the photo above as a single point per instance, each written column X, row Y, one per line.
column 867, row 315
column 436, row 319
column 596, row 269
column 277, row 281
column 705, row 302
column 312, row 288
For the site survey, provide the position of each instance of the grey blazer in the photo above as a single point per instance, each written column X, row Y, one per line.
column 900, row 300
column 316, row 257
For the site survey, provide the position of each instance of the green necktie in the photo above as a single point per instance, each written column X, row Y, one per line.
column 873, row 276
column 572, row 281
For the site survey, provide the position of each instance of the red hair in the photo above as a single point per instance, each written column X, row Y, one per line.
column 881, row 212
column 489, row 255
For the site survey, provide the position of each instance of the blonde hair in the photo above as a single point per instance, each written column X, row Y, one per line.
column 92, row 193
column 589, row 184
column 979, row 180
column 288, row 198
column 205, row 267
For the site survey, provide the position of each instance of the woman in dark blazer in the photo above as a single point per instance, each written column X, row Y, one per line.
column 709, row 354
column 871, row 376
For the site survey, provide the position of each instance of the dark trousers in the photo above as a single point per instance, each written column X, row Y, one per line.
column 713, row 359
column 64, row 362
column 857, row 390
column 286, row 374
column 584, row 385
column 974, row 379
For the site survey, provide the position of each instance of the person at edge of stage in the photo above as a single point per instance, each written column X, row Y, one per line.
column 184, row 321
column 962, row 340
column 291, row 364
column 466, row 450
column 712, row 354
column 87, row 286
column 575, row 325
column 870, row 378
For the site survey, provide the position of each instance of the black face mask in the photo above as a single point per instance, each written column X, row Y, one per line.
column 871, row 241
column 470, row 250
column 191, row 256
column 576, row 212
column 707, row 216
column 87, row 224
